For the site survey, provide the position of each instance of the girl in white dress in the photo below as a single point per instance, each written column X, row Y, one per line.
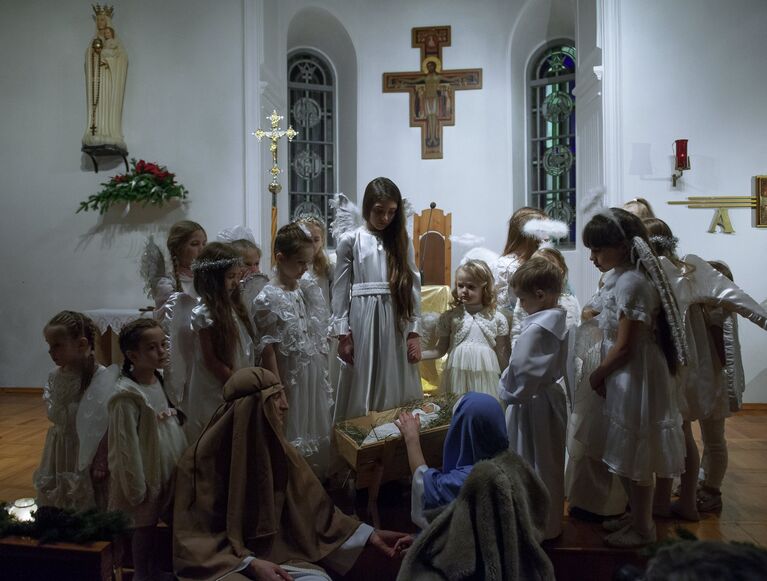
column 186, row 239
column 58, row 480
column 519, row 247
column 145, row 442
column 321, row 272
column 567, row 300
column 706, row 298
column 224, row 338
column 377, row 307
column 641, row 438
column 475, row 335
column 292, row 317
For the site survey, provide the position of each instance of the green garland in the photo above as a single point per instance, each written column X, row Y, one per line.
column 146, row 183
column 51, row 525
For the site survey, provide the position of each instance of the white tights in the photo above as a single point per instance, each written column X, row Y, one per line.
column 714, row 452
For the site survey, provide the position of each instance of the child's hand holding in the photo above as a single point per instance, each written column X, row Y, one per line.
column 413, row 348
column 597, row 381
column 588, row 314
column 165, row 414
column 346, row 349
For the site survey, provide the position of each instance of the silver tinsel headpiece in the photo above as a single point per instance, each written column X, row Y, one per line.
column 665, row 243
column 221, row 264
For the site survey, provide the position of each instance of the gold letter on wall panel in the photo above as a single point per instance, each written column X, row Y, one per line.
column 722, row 219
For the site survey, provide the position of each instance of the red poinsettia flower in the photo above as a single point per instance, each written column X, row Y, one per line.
column 140, row 166
column 119, row 178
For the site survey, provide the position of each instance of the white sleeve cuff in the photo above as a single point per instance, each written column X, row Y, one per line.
column 416, row 498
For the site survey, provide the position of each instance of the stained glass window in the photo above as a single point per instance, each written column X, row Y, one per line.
column 552, row 135
column 311, row 98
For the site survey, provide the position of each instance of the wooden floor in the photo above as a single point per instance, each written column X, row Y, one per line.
column 23, row 425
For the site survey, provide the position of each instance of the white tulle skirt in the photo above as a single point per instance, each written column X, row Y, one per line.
column 471, row 367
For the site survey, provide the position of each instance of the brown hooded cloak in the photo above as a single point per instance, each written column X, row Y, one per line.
column 243, row 490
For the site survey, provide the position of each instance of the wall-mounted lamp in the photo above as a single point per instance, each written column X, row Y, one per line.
column 682, row 160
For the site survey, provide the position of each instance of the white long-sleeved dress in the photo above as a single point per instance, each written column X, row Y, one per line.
column 503, row 269
column 381, row 377
column 536, row 418
column 295, row 323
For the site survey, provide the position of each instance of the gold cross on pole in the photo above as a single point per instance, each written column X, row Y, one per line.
column 274, row 136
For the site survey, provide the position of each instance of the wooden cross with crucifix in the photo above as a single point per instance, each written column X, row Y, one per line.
column 432, row 89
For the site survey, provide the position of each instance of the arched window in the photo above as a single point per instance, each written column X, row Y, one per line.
column 311, row 98
column 552, row 135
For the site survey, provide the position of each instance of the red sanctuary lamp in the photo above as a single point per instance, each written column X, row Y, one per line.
column 682, row 160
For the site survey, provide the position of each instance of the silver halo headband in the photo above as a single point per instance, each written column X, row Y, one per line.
column 665, row 243
column 222, row 264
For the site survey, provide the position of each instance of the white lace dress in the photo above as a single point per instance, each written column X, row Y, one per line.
column 205, row 393
column 472, row 363
column 381, row 377
column 295, row 322
column 642, row 433
column 503, row 270
column 58, row 480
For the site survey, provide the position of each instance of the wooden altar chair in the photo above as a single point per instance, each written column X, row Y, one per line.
column 431, row 238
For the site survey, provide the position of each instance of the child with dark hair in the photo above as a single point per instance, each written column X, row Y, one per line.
column 291, row 317
column 641, row 439
column 376, row 308
column 145, row 442
column 224, row 333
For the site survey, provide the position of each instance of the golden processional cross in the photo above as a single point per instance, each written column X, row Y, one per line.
column 274, row 136
column 721, row 205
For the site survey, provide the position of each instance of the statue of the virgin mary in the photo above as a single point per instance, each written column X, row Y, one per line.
column 106, row 66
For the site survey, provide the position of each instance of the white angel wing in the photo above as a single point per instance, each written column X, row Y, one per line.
column 249, row 289
column 348, row 216
column 480, row 253
column 175, row 316
column 92, row 413
column 152, row 266
column 409, row 213
column 236, row 233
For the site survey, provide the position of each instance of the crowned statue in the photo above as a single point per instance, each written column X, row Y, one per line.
column 106, row 66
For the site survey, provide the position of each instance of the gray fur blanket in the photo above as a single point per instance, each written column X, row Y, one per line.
column 492, row 531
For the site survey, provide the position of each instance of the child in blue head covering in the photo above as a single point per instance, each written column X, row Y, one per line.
column 477, row 432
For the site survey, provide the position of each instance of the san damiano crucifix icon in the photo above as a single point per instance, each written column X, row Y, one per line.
column 432, row 89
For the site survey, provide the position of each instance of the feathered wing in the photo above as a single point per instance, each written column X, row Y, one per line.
column 175, row 316
column 348, row 216
column 93, row 415
column 249, row 289
column 238, row 232
column 409, row 213
column 152, row 266
column 490, row 257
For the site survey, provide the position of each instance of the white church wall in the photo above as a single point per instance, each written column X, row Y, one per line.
column 183, row 107
column 477, row 174
column 692, row 69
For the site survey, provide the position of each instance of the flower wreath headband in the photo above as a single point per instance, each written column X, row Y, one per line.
column 221, row 264
column 665, row 243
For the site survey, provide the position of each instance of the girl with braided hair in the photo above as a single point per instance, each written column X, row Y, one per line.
column 186, row 239
column 60, row 480
column 145, row 441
